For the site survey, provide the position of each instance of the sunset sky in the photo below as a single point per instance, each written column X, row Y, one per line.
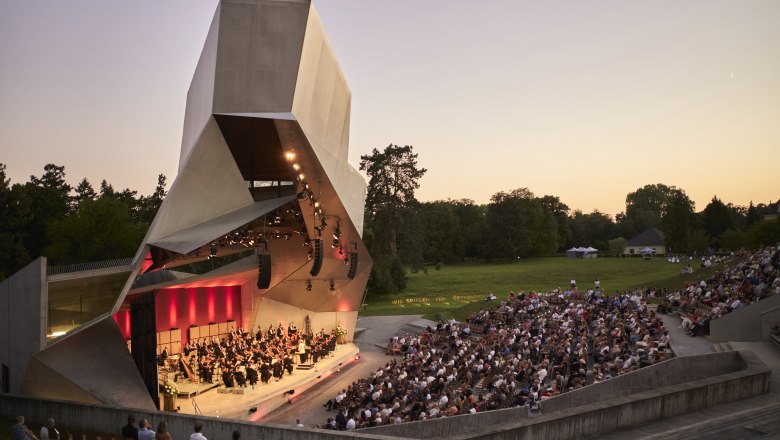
column 584, row 100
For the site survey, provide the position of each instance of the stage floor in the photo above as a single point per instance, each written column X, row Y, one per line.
column 269, row 396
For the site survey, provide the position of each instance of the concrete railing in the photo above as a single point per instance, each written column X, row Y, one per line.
column 675, row 386
column 109, row 419
column 743, row 325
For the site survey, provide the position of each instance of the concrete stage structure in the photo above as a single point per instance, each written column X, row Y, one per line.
column 262, row 225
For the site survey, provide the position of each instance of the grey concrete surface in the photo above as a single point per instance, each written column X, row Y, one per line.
column 745, row 324
column 24, row 312
column 681, row 343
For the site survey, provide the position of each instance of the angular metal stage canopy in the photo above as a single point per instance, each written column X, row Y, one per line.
column 263, row 173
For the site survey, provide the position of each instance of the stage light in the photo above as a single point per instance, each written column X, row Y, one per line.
column 307, row 241
column 357, row 357
column 296, row 167
column 308, row 286
column 337, row 232
column 301, row 176
column 290, row 155
column 252, row 410
column 332, row 286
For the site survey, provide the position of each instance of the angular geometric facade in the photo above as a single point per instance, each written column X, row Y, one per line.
column 264, row 205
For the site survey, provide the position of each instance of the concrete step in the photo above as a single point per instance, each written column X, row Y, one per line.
column 743, row 419
column 411, row 329
column 776, row 340
column 722, row 346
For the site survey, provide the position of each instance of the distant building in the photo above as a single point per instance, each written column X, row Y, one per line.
column 650, row 239
column 773, row 211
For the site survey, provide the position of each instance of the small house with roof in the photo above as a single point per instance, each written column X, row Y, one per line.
column 650, row 239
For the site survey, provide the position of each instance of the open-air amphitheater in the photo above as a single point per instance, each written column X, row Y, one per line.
column 264, row 180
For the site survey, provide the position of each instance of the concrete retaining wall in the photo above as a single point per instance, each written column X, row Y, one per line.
column 682, row 377
column 744, row 325
column 23, row 320
column 108, row 420
column 770, row 320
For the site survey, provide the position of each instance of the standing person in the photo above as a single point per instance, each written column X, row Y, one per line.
column 162, row 431
column 197, row 435
column 20, row 431
column 236, row 435
column 145, row 433
column 49, row 432
column 129, row 431
column 298, row 423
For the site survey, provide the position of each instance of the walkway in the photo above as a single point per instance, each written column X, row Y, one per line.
column 682, row 344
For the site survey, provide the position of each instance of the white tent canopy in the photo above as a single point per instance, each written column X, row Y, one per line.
column 591, row 249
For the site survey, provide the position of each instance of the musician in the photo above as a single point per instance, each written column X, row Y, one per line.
column 251, row 373
column 265, row 372
column 302, row 351
column 292, row 330
column 279, row 331
column 227, row 377
column 288, row 363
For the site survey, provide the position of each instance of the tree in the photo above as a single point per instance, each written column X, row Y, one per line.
column 560, row 211
column 717, row 218
column 678, row 221
column 732, row 240
column 393, row 178
column 518, row 226
column 647, row 206
column 752, row 216
column 473, row 222
column 84, row 191
column 443, row 236
column 48, row 198
column 14, row 214
column 764, row 233
column 148, row 206
column 593, row 229
column 617, row 246
column 101, row 229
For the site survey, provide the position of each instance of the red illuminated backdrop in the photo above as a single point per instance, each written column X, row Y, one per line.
column 184, row 307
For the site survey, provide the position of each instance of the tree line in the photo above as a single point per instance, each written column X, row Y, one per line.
column 67, row 224
column 401, row 231
column 47, row 216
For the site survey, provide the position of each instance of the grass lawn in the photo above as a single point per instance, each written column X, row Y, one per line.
column 440, row 293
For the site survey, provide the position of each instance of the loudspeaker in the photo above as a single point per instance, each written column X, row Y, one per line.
column 353, row 262
column 317, row 257
column 264, row 271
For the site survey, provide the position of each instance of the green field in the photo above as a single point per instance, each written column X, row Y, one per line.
column 431, row 293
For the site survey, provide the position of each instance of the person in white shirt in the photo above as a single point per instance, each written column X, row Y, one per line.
column 351, row 424
column 49, row 432
column 298, row 423
column 197, row 435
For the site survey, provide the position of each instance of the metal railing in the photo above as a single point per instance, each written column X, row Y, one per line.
column 81, row 267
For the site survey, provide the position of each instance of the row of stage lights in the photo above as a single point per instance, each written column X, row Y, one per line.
column 350, row 258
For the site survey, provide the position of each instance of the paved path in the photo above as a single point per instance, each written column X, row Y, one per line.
column 682, row 344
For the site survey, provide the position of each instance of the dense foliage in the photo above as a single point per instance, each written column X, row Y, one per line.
column 47, row 216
